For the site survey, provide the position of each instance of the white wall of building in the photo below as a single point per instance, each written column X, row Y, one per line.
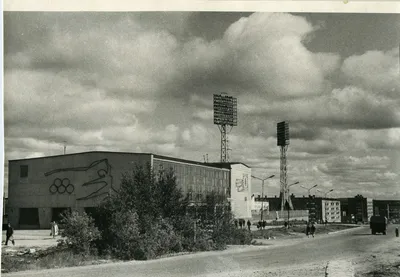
column 241, row 201
column 331, row 210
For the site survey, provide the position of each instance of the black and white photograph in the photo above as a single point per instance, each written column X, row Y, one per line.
column 201, row 143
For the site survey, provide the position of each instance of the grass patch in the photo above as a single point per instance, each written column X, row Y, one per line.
column 54, row 257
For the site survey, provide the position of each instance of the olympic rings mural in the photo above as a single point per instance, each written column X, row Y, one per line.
column 100, row 184
column 61, row 186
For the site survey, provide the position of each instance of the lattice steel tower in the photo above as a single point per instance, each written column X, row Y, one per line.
column 283, row 143
column 225, row 116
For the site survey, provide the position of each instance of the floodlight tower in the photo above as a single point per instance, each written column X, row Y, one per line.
column 283, row 143
column 225, row 116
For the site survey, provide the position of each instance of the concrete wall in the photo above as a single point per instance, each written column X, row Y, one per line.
column 75, row 181
column 241, row 191
column 282, row 215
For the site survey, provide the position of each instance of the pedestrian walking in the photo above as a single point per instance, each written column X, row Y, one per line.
column 53, row 229
column 264, row 224
column 308, row 229
column 313, row 230
column 240, row 223
column 397, row 232
column 10, row 234
column 248, row 224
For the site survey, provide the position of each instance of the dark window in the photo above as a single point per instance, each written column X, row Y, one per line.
column 23, row 171
column 28, row 218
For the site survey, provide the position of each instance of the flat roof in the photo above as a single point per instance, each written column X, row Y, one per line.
column 227, row 164
column 156, row 156
column 78, row 153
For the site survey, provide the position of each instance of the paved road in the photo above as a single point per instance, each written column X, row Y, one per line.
column 289, row 256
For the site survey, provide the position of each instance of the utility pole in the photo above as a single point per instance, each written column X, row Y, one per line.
column 287, row 203
column 262, row 197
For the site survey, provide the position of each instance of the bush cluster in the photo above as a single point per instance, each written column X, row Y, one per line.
column 79, row 231
column 148, row 217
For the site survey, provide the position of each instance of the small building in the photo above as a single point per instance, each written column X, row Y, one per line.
column 259, row 206
column 40, row 189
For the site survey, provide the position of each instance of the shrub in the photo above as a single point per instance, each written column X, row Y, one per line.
column 79, row 231
column 241, row 237
column 126, row 236
column 159, row 240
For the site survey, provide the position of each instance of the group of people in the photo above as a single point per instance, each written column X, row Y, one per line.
column 310, row 230
column 10, row 232
column 242, row 224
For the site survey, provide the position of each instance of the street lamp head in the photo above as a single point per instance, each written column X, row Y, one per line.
column 314, row 186
column 271, row 176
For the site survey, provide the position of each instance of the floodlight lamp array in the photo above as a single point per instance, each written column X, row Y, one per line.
column 283, row 133
column 225, row 110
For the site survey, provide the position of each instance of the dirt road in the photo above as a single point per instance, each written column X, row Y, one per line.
column 300, row 257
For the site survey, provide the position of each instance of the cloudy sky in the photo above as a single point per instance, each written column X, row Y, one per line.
column 144, row 82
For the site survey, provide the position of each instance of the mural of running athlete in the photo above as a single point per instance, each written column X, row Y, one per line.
column 99, row 185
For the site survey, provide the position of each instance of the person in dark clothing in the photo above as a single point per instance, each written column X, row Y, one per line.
column 264, row 224
column 312, row 230
column 248, row 224
column 236, row 223
column 9, row 234
column 308, row 230
column 240, row 223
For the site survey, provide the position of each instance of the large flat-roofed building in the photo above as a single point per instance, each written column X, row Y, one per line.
column 388, row 208
column 39, row 189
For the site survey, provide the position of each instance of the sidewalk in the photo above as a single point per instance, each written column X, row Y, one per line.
column 30, row 239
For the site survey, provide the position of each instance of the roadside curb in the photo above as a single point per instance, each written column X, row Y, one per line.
column 345, row 230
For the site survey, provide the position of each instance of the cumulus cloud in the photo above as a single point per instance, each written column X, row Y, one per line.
column 204, row 115
column 375, row 70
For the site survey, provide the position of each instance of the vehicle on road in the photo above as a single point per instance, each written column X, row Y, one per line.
column 378, row 224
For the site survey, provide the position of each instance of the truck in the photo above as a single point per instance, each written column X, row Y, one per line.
column 378, row 224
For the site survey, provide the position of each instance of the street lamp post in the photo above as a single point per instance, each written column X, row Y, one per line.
column 287, row 192
column 262, row 193
column 326, row 193
column 309, row 189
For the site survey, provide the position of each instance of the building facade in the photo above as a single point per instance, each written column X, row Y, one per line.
column 388, row 208
column 40, row 189
column 331, row 210
column 356, row 209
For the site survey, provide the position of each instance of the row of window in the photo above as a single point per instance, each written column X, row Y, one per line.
column 191, row 170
